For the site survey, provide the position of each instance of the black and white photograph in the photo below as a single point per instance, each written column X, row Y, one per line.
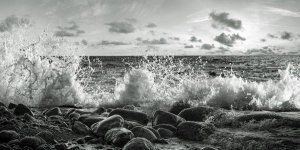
column 149, row 74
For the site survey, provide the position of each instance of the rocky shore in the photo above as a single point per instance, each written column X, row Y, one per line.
column 128, row 128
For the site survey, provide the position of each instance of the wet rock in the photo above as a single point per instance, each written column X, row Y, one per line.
column 195, row 113
column 74, row 116
column 105, row 114
column 257, row 117
column 31, row 141
column 153, row 131
column 100, row 128
column 162, row 141
column 69, row 112
column 129, row 107
column 166, row 126
column 195, row 148
column 118, row 136
column 61, row 146
column 89, row 120
column 5, row 113
column 5, row 147
column 208, row 148
column 87, row 138
column 139, row 144
column 8, row 135
column 44, row 147
column 165, row 133
column 163, row 117
column 1, row 104
column 22, row 109
column 97, row 141
column 28, row 118
column 99, row 110
column 197, row 131
column 80, row 128
column 177, row 107
column 14, row 142
column 130, row 115
column 53, row 112
column 131, row 124
column 11, row 106
column 80, row 141
column 47, row 136
column 145, row 133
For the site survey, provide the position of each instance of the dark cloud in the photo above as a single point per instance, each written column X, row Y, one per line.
column 174, row 38
column 284, row 36
column 188, row 46
column 84, row 42
column 151, row 25
column 228, row 39
column 207, row 46
column 121, row 27
column 139, row 39
column 261, row 51
column 193, row 39
column 263, row 40
column 221, row 20
column 112, row 43
column 69, row 31
column 155, row 41
column 12, row 21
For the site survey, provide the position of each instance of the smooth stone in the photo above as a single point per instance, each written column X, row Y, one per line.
column 99, row 111
column 22, row 109
column 139, row 144
column 100, row 128
column 118, row 136
column 74, row 116
column 80, row 128
column 166, row 126
column 163, row 117
column 131, row 124
column 196, row 131
column 196, row 113
column 31, row 141
column 8, row 135
column 177, row 107
column 11, row 106
column 90, row 120
column 53, row 112
column 145, row 133
column 47, row 136
column 153, row 131
column 5, row 147
column 28, row 118
column 165, row 133
column 131, row 115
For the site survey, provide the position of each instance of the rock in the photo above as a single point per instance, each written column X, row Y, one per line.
column 118, row 136
column 162, row 141
column 5, row 147
column 129, row 107
column 153, row 131
column 145, row 133
column 44, row 147
column 109, row 110
column 1, row 104
column 165, row 133
column 31, row 141
column 28, row 118
column 53, row 112
column 139, row 144
column 197, row 131
column 22, row 109
column 61, row 146
column 100, row 128
column 80, row 141
column 195, row 148
column 74, row 116
column 69, row 112
column 8, row 135
column 12, row 106
column 105, row 114
column 177, row 107
column 208, row 148
column 91, row 120
column 163, row 117
column 47, row 136
column 97, row 141
column 131, row 124
column 99, row 111
column 166, row 126
column 80, row 128
column 257, row 117
column 87, row 138
column 196, row 113
column 4, row 112
column 130, row 115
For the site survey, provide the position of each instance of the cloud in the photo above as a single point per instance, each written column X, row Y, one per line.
column 221, row 20
column 283, row 12
column 155, row 41
column 261, row 51
column 69, row 31
column 174, row 38
column 132, row 20
column 228, row 40
column 151, row 25
column 84, row 42
column 121, row 27
column 12, row 21
column 112, row 43
column 207, row 46
column 284, row 36
column 188, row 46
column 263, row 40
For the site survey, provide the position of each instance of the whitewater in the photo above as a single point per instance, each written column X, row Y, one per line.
column 46, row 71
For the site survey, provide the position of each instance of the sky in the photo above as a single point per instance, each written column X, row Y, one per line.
column 163, row 27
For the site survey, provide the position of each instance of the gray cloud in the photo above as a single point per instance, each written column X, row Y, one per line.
column 112, row 43
column 263, row 40
column 228, row 40
column 221, row 20
column 69, row 31
column 12, row 21
column 283, row 35
column 261, row 51
column 151, row 25
column 84, row 42
column 132, row 20
column 286, row 35
column 121, row 27
column 188, row 46
column 207, row 46
column 155, row 41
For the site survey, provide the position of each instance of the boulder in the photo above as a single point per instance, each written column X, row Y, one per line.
column 80, row 128
column 196, row 113
column 11, row 106
column 22, row 109
column 118, row 136
column 53, row 112
column 5, row 112
column 99, row 111
column 100, row 128
column 46, row 136
column 1, row 104
column 129, row 107
column 153, row 131
column 5, row 147
column 8, row 135
column 163, row 117
column 139, row 144
column 257, row 117
column 31, row 141
column 28, row 118
column 145, row 133
column 166, row 126
column 89, row 120
column 165, row 133
column 131, row 124
column 131, row 115
column 177, row 107
column 196, row 131
column 71, row 110
column 61, row 146
column 74, row 116
column 208, row 148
